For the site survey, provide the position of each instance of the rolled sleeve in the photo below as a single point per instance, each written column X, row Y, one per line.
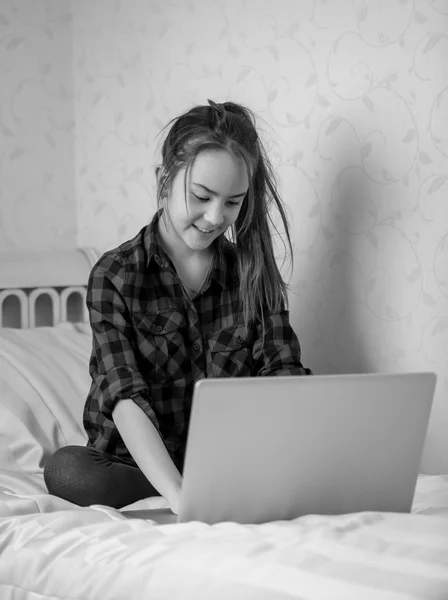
column 113, row 364
column 277, row 351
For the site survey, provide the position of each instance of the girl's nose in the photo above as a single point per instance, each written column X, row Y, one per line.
column 214, row 215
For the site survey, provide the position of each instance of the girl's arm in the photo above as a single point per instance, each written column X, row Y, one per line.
column 122, row 393
column 278, row 351
column 148, row 450
column 113, row 365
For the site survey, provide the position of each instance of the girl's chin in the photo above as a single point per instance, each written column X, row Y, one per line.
column 197, row 244
column 196, row 240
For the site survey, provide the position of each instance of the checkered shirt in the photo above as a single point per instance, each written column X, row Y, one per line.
column 151, row 342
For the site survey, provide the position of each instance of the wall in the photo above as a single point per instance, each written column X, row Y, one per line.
column 37, row 193
column 353, row 100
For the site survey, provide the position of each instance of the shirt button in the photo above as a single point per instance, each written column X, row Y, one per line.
column 196, row 347
column 159, row 328
column 240, row 340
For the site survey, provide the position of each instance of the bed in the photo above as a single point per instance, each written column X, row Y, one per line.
column 52, row 549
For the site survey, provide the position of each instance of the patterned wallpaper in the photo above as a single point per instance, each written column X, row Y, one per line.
column 353, row 104
column 37, row 191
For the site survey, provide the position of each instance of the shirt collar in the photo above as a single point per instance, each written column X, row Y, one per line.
column 154, row 250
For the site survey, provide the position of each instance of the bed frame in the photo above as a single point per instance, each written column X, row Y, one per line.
column 39, row 289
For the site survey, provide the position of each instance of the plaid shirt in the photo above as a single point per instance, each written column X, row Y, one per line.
column 151, row 342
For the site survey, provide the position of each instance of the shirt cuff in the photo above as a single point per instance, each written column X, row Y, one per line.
column 121, row 383
column 141, row 401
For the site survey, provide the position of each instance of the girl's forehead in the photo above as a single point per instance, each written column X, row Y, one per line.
column 219, row 164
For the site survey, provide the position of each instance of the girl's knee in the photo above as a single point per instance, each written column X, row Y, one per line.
column 62, row 466
column 62, row 457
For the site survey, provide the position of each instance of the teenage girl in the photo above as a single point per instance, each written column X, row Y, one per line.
column 196, row 293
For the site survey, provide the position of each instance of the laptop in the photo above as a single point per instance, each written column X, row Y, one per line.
column 277, row 448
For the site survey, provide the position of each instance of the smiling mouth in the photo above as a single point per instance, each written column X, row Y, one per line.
column 204, row 230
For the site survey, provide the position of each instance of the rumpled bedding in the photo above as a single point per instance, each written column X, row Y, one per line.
column 52, row 549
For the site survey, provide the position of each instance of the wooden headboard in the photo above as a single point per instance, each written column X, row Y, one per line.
column 44, row 288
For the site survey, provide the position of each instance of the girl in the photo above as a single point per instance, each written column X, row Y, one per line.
column 197, row 293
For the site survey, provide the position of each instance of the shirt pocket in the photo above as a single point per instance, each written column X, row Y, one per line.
column 231, row 352
column 161, row 344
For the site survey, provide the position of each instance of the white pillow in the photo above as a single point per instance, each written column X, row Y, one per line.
column 44, row 381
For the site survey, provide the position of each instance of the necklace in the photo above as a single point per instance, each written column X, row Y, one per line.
column 194, row 292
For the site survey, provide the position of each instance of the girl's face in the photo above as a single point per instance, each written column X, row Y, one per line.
column 215, row 186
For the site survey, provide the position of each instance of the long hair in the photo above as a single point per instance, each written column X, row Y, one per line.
column 231, row 127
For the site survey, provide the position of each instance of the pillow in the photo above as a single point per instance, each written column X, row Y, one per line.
column 44, row 381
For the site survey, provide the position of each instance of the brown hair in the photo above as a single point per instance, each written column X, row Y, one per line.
column 231, row 127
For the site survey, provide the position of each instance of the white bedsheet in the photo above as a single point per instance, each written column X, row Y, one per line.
column 50, row 549
column 97, row 553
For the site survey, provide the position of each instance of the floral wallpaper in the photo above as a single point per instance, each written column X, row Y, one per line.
column 37, row 192
column 352, row 97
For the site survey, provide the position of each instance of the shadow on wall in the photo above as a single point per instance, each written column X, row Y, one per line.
column 330, row 300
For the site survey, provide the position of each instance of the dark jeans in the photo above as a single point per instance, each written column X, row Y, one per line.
column 86, row 476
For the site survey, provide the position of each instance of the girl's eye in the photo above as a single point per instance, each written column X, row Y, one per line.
column 206, row 199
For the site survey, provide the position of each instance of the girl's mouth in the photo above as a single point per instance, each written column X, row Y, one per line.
column 204, row 231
